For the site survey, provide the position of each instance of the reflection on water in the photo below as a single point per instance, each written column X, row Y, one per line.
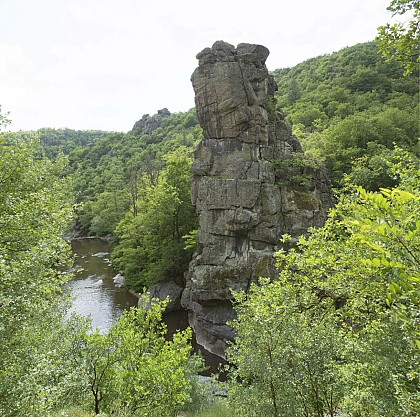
column 93, row 289
column 95, row 294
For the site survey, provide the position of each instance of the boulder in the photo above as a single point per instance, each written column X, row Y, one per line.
column 162, row 291
column 119, row 280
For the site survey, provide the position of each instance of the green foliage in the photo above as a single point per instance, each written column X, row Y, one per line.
column 375, row 167
column 151, row 247
column 284, row 358
column 215, row 410
column 56, row 141
column 35, row 209
column 191, row 240
column 45, row 364
column 4, row 121
column 364, row 135
column 387, row 223
column 400, row 42
column 109, row 208
column 296, row 171
column 351, row 105
column 338, row 332
column 109, row 167
column 132, row 370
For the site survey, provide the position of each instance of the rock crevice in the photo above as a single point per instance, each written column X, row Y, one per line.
column 244, row 201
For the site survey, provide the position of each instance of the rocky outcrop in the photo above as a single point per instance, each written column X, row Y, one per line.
column 169, row 291
column 250, row 185
column 147, row 124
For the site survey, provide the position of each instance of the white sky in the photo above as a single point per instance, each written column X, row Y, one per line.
column 102, row 64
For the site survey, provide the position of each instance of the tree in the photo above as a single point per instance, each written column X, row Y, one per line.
column 107, row 210
column 151, row 245
column 348, row 298
column 294, row 91
column 4, row 121
column 134, row 368
column 352, row 104
column 284, row 360
column 370, row 136
column 35, row 209
column 400, row 41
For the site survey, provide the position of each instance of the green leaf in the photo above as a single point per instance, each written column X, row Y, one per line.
column 376, row 262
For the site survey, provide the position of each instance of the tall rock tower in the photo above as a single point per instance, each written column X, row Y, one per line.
column 250, row 185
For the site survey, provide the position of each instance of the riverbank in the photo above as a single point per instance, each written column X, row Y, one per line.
column 96, row 295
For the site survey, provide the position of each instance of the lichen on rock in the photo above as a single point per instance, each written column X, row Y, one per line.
column 243, row 209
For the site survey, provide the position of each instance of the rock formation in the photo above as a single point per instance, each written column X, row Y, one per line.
column 147, row 124
column 162, row 291
column 250, row 185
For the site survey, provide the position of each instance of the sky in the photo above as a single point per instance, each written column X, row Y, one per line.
column 102, row 64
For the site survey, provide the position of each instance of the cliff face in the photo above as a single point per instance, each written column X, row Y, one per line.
column 249, row 186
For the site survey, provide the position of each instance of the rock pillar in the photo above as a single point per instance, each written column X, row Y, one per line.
column 245, row 186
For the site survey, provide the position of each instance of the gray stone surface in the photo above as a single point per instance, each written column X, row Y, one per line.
column 147, row 124
column 244, row 205
column 162, row 291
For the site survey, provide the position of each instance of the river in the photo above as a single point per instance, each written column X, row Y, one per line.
column 93, row 289
column 95, row 294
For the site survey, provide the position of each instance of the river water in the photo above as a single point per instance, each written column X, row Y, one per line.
column 93, row 289
column 95, row 294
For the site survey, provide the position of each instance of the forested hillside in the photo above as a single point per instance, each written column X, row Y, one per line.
column 110, row 173
column 348, row 109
